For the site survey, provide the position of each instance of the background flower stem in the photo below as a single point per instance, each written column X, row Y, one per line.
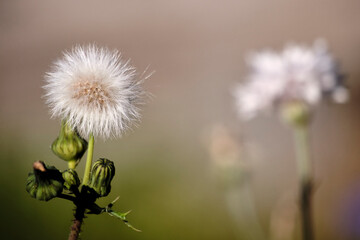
column 301, row 135
column 241, row 206
column 89, row 159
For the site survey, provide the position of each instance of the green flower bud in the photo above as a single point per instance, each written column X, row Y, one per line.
column 71, row 179
column 69, row 146
column 45, row 182
column 102, row 173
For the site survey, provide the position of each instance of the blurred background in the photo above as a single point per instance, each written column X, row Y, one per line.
column 166, row 172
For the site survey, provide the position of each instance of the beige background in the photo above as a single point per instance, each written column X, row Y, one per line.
column 197, row 50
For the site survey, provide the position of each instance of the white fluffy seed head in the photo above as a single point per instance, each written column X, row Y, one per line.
column 95, row 91
column 298, row 73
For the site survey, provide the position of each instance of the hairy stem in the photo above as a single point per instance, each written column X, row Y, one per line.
column 88, row 160
column 77, row 222
column 305, row 177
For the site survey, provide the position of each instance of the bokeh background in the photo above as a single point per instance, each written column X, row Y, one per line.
column 164, row 171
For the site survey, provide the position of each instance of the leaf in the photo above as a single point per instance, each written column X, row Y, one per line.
column 122, row 216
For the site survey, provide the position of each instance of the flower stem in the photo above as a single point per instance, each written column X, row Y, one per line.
column 77, row 222
column 89, row 159
column 72, row 164
column 241, row 206
column 301, row 135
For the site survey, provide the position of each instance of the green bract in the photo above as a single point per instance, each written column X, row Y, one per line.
column 102, row 173
column 69, row 145
column 296, row 114
column 45, row 182
column 71, row 179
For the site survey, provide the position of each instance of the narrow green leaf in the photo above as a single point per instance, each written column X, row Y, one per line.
column 122, row 216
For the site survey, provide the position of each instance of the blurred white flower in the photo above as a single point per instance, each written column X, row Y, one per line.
column 230, row 156
column 297, row 74
column 225, row 150
column 94, row 90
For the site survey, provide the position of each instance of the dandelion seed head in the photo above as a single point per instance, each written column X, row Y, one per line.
column 95, row 91
column 297, row 74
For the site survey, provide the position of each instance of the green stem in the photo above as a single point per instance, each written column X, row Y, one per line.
column 89, row 159
column 304, row 168
column 241, row 206
column 72, row 164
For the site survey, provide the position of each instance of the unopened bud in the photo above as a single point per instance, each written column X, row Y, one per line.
column 45, row 182
column 71, row 179
column 102, row 173
column 69, row 146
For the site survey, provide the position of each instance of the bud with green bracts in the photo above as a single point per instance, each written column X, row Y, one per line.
column 102, row 173
column 69, row 146
column 45, row 182
column 71, row 179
